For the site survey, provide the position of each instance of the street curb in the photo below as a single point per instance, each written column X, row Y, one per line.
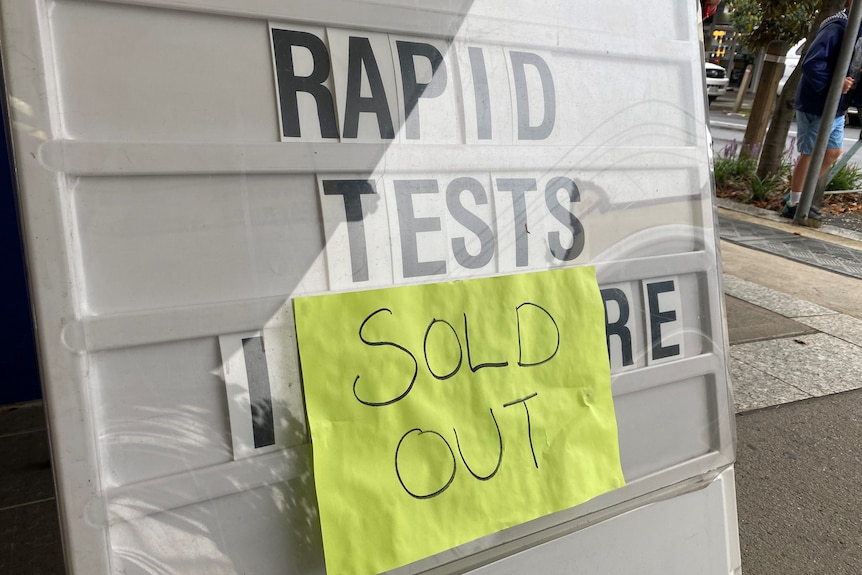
column 728, row 126
column 775, row 217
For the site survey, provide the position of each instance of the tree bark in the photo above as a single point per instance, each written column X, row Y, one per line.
column 764, row 99
column 776, row 136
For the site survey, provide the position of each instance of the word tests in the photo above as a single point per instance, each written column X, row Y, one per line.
column 397, row 228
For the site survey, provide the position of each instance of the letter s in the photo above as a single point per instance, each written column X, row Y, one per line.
column 566, row 218
column 387, row 343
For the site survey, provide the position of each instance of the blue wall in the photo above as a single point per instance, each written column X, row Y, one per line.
column 19, row 370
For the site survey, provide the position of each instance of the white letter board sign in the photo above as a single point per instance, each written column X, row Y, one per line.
column 188, row 172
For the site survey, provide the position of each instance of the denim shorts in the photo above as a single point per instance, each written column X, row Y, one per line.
column 806, row 132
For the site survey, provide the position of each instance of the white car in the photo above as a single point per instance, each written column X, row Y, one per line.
column 716, row 81
column 791, row 60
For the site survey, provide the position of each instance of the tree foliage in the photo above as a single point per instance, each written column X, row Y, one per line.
column 761, row 22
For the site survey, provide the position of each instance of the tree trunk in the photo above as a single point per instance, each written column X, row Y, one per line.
column 764, row 99
column 784, row 115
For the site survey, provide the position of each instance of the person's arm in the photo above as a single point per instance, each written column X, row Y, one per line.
column 821, row 54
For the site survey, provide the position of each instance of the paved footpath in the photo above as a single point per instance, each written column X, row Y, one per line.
column 796, row 368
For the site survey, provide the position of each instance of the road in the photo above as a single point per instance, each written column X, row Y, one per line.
column 727, row 128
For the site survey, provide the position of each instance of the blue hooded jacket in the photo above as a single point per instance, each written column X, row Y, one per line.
column 818, row 65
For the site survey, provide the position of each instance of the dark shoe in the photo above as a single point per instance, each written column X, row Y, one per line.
column 814, row 219
column 785, row 200
column 788, row 211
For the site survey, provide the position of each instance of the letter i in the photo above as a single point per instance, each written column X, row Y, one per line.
column 481, row 93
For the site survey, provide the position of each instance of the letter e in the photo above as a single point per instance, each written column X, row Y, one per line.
column 664, row 310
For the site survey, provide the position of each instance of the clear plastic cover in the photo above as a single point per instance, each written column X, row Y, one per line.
column 187, row 169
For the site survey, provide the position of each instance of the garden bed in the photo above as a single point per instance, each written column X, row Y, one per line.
column 736, row 179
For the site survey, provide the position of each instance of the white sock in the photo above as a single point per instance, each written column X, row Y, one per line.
column 795, row 197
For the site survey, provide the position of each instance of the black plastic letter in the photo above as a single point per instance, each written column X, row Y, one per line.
column 410, row 226
column 519, row 187
column 350, row 190
column 618, row 328
column 413, row 90
column 283, row 42
column 361, row 56
column 656, row 318
column 481, row 93
column 566, row 218
column 526, row 131
column 470, row 221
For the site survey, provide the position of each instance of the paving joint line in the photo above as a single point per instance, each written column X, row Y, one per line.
column 779, row 380
column 19, row 505
column 25, row 432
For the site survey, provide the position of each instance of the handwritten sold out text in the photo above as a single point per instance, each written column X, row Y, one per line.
column 417, row 448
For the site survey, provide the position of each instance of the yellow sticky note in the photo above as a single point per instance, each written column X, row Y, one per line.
column 441, row 413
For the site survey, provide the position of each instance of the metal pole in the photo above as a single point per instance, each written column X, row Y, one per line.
column 829, row 110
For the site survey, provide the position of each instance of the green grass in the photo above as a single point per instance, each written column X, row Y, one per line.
column 849, row 177
column 731, row 169
column 738, row 172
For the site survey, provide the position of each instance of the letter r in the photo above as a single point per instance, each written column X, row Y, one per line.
column 289, row 83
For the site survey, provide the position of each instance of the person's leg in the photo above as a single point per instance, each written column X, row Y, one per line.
column 807, row 127
column 832, row 154
column 806, row 133
column 797, row 180
column 834, row 145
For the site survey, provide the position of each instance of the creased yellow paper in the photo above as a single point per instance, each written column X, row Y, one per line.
column 444, row 412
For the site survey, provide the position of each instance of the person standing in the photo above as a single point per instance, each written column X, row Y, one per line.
column 818, row 67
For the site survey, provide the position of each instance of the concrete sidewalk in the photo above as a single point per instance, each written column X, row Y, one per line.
column 795, row 330
column 796, row 370
column 795, row 333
